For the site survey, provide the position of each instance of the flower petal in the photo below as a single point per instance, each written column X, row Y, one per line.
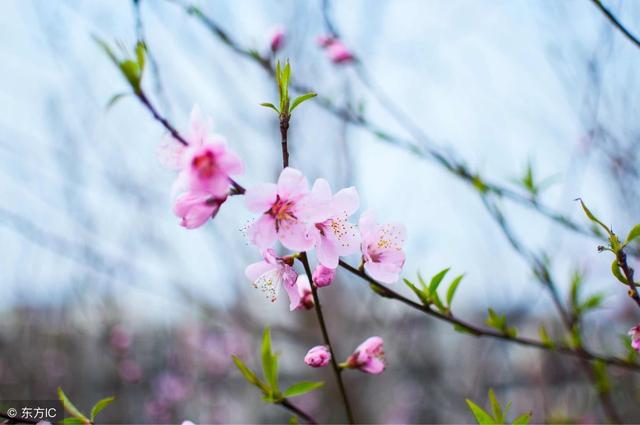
column 295, row 235
column 262, row 232
column 261, row 197
column 346, row 202
column 292, row 184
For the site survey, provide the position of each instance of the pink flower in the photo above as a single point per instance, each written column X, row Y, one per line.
column 382, row 248
column 338, row 53
column 303, row 297
column 196, row 209
column 325, row 40
column 277, row 38
column 323, row 276
column 272, row 273
column 205, row 164
column 318, row 356
column 287, row 211
column 334, row 236
column 635, row 338
column 368, row 357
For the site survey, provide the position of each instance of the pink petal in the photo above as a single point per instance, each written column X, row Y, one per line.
column 295, row 293
column 327, row 253
column 394, row 233
column 346, row 202
column 262, row 232
column 193, row 210
column 292, row 184
column 346, row 236
column 230, row 163
column 199, row 127
column 367, row 225
column 295, row 235
column 170, row 153
column 261, row 197
column 321, row 190
column 374, row 366
column 255, row 270
column 383, row 272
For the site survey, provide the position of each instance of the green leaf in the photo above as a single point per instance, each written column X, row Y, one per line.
column 544, row 337
column 74, row 421
column 246, row 372
column 103, row 44
column 435, row 280
column 269, row 361
column 482, row 417
column 115, row 98
column 421, row 295
column 522, row 419
column 140, row 55
column 100, row 405
column 495, row 407
column 302, row 388
column 293, row 420
column 131, row 71
column 594, row 218
column 435, row 298
column 298, row 100
column 452, row 289
column 615, row 270
column 593, row 302
column 634, row 233
column 270, row 105
column 69, row 407
column 464, row 330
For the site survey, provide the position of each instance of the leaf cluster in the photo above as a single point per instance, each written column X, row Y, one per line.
column 77, row 417
column 428, row 293
column 498, row 415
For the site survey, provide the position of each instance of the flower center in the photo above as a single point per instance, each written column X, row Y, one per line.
column 204, row 164
column 281, row 210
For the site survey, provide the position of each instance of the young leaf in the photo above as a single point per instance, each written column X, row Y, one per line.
column 99, row 406
column 270, row 105
column 423, row 298
column 301, row 99
column 452, row 289
column 594, row 301
column 634, row 233
column 544, row 337
column 593, row 217
column 69, row 407
column 301, row 388
column 435, row 280
column 115, row 98
column 140, row 55
column 72, row 421
column 269, row 361
column 246, row 372
column 482, row 417
column 522, row 419
column 615, row 270
column 495, row 407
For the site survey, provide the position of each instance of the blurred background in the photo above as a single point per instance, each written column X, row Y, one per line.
column 103, row 293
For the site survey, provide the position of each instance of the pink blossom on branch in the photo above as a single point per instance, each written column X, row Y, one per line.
column 382, row 248
column 302, row 297
column 318, row 356
column 273, row 272
column 205, row 164
column 287, row 212
column 334, row 236
column 635, row 338
column 195, row 210
column 368, row 357
column 276, row 38
column 323, row 276
column 335, row 49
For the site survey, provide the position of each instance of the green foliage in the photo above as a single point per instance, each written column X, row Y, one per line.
column 131, row 66
column 286, row 107
column 528, row 181
column 544, row 337
column 633, row 233
column 498, row 415
column 269, row 384
column 632, row 354
column 428, row 293
column 578, row 305
column 77, row 417
column 602, row 378
column 499, row 322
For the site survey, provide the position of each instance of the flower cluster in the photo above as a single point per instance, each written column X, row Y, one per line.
column 335, row 49
column 634, row 333
column 368, row 357
column 204, row 167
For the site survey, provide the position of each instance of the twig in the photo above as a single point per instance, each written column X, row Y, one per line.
column 325, row 335
column 621, row 257
column 296, row 410
column 616, row 23
column 483, row 332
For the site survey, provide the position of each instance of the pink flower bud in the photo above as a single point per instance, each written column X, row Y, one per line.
column 338, row 53
column 325, row 40
column 323, row 276
column 318, row 356
column 368, row 357
column 195, row 210
column 635, row 338
column 277, row 38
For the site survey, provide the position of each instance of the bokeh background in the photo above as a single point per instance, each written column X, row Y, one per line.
column 104, row 294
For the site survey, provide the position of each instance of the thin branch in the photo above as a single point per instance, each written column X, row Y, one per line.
column 621, row 257
column 325, row 335
column 296, row 410
column 483, row 332
column 616, row 23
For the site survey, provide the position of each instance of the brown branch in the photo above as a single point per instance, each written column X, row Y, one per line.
column 483, row 332
column 616, row 23
column 621, row 257
column 296, row 410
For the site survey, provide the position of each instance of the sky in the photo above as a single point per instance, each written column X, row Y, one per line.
column 85, row 207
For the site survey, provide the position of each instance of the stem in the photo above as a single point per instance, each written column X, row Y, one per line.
column 296, row 410
column 616, row 23
column 482, row 332
column 16, row 420
column 621, row 256
column 284, row 129
column 334, row 364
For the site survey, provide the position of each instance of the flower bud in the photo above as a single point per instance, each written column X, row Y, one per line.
column 318, row 356
column 276, row 39
column 323, row 276
column 635, row 338
column 368, row 357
